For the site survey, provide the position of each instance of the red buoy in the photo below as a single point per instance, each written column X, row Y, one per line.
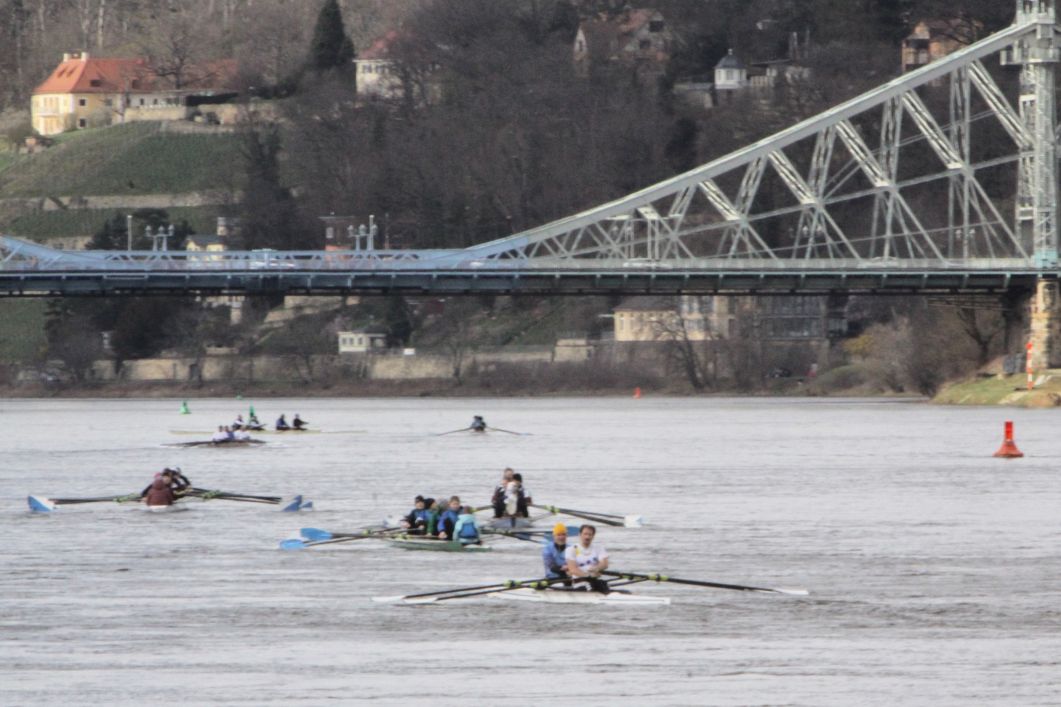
column 1009, row 450
column 637, row 393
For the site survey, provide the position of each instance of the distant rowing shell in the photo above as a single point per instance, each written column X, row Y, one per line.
column 423, row 543
column 561, row 595
column 226, row 443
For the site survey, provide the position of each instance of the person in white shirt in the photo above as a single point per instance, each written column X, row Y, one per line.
column 241, row 435
column 586, row 560
column 220, row 435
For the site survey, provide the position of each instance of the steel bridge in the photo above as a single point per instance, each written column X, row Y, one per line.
column 942, row 180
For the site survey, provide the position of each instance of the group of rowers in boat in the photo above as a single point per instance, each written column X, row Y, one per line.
column 164, row 489
column 457, row 521
column 253, row 424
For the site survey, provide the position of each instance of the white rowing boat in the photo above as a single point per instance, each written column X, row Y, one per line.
column 173, row 508
column 564, row 595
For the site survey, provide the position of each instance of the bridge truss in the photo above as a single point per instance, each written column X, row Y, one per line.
column 943, row 179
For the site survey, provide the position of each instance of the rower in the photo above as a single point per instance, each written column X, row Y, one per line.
column 466, row 532
column 298, row 423
column 239, row 424
column 241, row 435
column 253, row 423
column 416, row 521
column 586, row 560
column 478, row 424
column 220, row 435
column 553, row 553
column 498, row 499
column 177, row 481
column 158, row 493
column 448, row 520
column 281, row 424
column 523, row 498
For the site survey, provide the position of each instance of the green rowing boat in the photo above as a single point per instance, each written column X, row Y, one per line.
column 412, row 542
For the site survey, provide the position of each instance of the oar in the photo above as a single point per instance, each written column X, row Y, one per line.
column 319, row 534
column 320, row 539
column 701, row 583
column 518, row 434
column 99, row 499
column 629, row 521
column 442, row 434
column 228, row 495
column 461, row 592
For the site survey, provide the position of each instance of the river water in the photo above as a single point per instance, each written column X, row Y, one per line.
column 933, row 567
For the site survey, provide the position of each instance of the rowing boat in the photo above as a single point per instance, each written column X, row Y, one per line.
column 509, row 523
column 173, row 508
column 565, row 595
column 410, row 542
column 219, row 443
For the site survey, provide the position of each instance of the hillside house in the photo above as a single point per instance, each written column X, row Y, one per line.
column 934, row 39
column 635, row 39
column 376, row 74
column 86, row 91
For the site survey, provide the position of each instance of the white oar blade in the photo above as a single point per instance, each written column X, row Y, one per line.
column 633, row 521
column 39, row 504
column 403, row 600
column 792, row 592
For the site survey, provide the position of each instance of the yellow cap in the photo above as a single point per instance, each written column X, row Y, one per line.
column 559, row 528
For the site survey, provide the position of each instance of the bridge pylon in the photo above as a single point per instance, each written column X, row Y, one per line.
column 1038, row 55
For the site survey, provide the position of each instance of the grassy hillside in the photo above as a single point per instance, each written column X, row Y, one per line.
column 138, row 158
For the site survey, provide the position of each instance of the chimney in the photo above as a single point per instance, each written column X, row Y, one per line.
column 67, row 56
column 84, row 56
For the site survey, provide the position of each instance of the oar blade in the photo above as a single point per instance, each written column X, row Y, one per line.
column 795, row 592
column 633, row 521
column 315, row 534
column 292, row 544
column 291, row 506
column 39, row 504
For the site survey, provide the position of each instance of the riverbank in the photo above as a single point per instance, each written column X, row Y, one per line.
column 1005, row 390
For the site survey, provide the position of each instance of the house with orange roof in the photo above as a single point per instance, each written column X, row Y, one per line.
column 86, row 91
column 376, row 74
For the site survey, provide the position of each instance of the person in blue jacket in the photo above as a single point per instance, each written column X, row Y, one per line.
column 416, row 521
column 553, row 553
column 447, row 522
column 466, row 531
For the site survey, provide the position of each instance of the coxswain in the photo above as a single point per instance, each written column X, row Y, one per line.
column 220, row 435
column 239, row 424
column 281, row 424
column 553, row 550
column 253, row 423
column 478, row 424
column 416, row 520
column 448, row 520
column 298, row 423
column 158, row 493
column 498, row 498
column 586, row 560
column 466, row 532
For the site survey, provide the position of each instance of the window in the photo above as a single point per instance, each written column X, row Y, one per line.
column 655, row 26
column 141, row 101
column 81, row 122
column 81, row 102
column 95, row 83
column 645, row 44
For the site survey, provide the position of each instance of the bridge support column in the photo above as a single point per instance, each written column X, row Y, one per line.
column 1045, row 326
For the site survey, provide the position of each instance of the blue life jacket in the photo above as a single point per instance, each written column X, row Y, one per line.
column 553, row 559
column 417, row 516
column 465, row 530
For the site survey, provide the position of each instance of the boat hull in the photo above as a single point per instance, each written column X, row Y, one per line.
column 580, row 596
column 414, row 543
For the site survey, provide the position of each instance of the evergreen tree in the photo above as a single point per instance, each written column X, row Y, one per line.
column 331, row 47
